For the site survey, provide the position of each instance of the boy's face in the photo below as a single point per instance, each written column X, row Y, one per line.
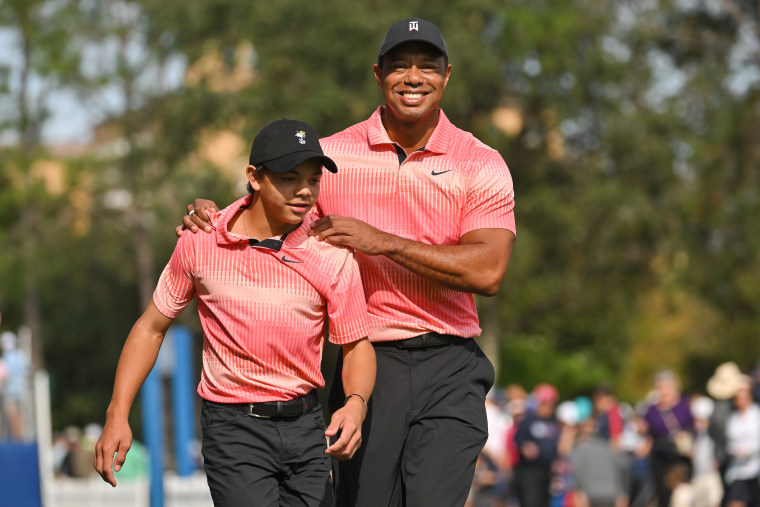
column 288, row 197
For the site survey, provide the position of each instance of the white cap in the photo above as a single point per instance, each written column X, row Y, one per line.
column 702, row 407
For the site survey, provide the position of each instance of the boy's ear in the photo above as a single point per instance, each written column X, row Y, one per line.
column 250, row 173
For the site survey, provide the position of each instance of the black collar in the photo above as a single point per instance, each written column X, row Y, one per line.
column 270, row 243
column 402, row 154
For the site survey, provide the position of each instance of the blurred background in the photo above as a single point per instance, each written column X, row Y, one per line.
column 631, row 129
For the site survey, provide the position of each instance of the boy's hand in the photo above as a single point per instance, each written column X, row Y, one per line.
column 116, row 438
column 197, row 216
column 348, row 422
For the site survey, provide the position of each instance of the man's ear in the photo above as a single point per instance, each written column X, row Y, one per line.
column 378, row 75
column 446, row 76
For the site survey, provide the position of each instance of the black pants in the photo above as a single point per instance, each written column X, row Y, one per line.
column 663, row 468
column 532, row 484
column 425, row 427
column 265, row 462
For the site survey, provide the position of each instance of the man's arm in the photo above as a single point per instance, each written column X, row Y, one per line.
column 477, row 264
column 136, row 360
column 359, row 367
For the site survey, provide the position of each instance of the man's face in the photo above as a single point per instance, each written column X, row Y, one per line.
column 413, row 77
column 288, row 197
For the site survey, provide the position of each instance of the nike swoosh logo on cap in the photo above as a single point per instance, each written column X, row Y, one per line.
column 440, row 172
column 285, row 259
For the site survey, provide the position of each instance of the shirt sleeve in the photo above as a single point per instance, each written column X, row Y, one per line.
column 490, row 198
column 176, row 288
column 346, row 306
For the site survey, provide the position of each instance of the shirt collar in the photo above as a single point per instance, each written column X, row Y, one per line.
column 438, row 143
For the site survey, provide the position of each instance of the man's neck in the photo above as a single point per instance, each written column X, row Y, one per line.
column 410, row 135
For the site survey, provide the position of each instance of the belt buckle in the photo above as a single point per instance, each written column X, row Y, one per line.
column 249, row 412
column 425, row 341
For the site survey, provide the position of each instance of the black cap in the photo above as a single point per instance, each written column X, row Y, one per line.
column 283, row 144
column 410, row 30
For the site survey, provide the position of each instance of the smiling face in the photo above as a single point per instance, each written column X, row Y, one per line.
column 286, row 198
column 413, row 77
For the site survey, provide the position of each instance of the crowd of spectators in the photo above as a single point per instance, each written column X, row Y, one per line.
column 669, row 449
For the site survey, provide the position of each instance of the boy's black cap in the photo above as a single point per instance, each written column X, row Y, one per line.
column 283, row 144
column 413, row 29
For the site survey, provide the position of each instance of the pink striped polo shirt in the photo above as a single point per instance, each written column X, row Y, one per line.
column 262, row 307
column 455, row 185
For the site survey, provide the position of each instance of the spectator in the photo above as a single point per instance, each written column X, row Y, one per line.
column 743, row 446
column 600, row 473
column 494, row 453
column 609, row 421
column 721, row 387
column 15, row 386
column 484, row 491
column 671, row 429
column 516, row 409
column 637, row 446
column 707, row 489
column 537, row 437
column 756, row 382
column 498, row 425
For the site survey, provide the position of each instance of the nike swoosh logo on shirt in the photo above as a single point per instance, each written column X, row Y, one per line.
column 440, row 172
column 285, row 259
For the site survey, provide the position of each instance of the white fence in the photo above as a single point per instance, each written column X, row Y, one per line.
column 93, row 492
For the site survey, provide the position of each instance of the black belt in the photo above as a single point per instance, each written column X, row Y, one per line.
column 423, row 341
column 285, row 409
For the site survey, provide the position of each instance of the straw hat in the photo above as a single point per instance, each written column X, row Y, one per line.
column 723, row 384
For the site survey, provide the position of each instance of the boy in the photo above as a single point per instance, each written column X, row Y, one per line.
column 264, row 288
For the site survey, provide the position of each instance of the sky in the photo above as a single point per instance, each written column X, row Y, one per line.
column 72, row 115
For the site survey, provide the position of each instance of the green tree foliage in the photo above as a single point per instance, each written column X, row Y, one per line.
column 630, row 128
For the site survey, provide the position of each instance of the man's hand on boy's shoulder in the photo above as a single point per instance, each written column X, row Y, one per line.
column 197, row 217
column 346, row 423
column 353, row 233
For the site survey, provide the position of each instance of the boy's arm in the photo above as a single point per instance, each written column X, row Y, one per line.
column 359, row 367
column 137, row 358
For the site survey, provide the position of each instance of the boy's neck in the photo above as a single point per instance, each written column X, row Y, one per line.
column 256, row 224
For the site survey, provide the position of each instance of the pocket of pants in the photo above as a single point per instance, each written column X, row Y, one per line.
column 486, row 374
column 214, row 415
column 315, row 416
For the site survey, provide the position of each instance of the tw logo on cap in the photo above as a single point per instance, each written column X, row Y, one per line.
column 301, row 135
column 414, row 26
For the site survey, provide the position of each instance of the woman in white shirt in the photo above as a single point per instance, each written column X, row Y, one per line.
column 743, row 437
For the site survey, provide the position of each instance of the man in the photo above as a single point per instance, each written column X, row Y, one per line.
column 429, row 211
column 265, row 289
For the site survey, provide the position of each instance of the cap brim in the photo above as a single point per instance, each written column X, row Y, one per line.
column 384, row 51
column 291, row 160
